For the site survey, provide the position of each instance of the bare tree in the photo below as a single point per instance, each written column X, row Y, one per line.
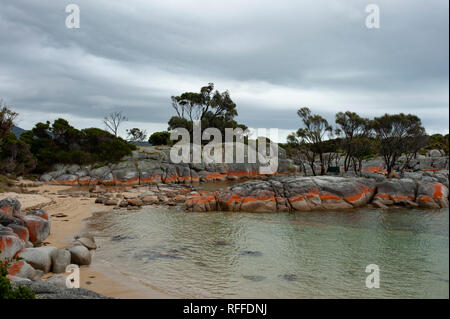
column 7, row 118
column 113, row 121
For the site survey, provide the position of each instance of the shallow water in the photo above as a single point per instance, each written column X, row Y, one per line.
column 280, row 255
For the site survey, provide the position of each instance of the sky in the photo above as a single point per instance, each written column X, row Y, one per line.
column 272, row 56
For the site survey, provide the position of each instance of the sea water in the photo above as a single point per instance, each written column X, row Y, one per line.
column 321, row 254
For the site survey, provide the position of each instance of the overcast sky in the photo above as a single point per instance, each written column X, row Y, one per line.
column 273, row 56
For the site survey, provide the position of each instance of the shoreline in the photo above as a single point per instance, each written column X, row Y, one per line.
column 68, row 216
column 69, row 206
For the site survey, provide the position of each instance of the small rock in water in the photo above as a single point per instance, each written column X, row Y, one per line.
column 289, row 277
column 251, row 253
column 120, row 238
column 151, row 254
column 254, row 278
column 200, row 263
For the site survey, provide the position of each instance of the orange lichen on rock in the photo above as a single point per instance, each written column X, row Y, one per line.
column 7, row 210
column 329, row 196
column 378, row 170
column 152, row 179
column 437, row 191
column 15, row 268
column 296, row 198
column 66, row 182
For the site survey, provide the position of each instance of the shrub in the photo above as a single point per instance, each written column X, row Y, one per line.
column 6, row 290
column 160, row 138
column 62, row 143
column 15, row 156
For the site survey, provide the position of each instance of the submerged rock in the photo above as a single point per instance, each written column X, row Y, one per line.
column 254, row 277
column 289, row 277
column 251, row 253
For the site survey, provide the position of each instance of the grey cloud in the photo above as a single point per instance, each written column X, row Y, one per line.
column 134, row 55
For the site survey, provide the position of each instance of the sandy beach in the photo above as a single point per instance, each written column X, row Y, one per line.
column 67, row 214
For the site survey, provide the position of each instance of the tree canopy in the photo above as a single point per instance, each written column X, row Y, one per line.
column 212, row 108
column 397, row 134
column 62, row 143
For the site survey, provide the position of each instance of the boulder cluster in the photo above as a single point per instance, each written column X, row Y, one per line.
column 299, row 193
column 23, row 235
column 135, row 197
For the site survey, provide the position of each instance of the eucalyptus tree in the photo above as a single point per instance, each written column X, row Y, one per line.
column 356, row 133
column 397, row 134
column 311, row 137
column 212, row 108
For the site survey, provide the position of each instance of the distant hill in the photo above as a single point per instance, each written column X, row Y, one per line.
column 17, row 131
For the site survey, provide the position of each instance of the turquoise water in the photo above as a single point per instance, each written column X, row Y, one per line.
column 280, row 255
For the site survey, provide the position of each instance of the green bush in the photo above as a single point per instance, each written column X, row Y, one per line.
column 160, row 138
column 62, row 143
column 15, row 156
column 6, row 290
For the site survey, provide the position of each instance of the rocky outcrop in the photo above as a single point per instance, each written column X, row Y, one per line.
column 297, row 193
column 152, row 165
column 40, row 257
column 21, row 269
column 20, row 232
column 10, row 243
column 32, row 227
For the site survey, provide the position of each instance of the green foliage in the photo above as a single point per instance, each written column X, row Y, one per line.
column 160, row 138
column 136, row 135
column 7, row 118
column 15, row 156
column 390, row 136
column 6, row 290
column 62, row 143
column 212, row 108
column 438, row 141
column 356, row 142
column 309, row 140
column 398, row 134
